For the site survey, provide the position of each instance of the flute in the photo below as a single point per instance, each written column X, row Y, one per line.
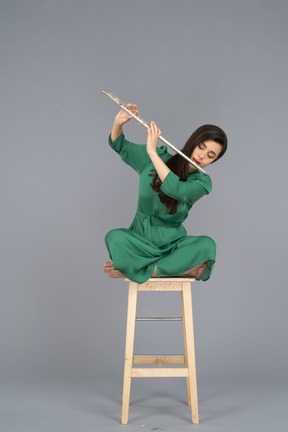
column 145, row 124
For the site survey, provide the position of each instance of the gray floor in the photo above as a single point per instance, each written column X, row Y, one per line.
column 157, row 405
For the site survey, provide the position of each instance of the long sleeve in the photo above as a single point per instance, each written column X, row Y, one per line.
column 190, row 191
column 135, row 155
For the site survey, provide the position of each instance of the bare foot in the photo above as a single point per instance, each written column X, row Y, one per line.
column 109, row 270
column 197, row 271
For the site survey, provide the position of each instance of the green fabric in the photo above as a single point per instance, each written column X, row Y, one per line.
column 156, row 237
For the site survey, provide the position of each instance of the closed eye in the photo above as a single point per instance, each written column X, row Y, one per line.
column 203, row 146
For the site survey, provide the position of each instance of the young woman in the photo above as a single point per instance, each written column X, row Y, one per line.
column 156, row 244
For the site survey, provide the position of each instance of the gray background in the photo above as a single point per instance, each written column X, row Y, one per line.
column 184, row 63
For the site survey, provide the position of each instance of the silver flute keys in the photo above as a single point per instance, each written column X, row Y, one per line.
column 141, row 121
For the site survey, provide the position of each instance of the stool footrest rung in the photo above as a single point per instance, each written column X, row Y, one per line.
column 159, row 372
column 165, row 359
column 158, row 319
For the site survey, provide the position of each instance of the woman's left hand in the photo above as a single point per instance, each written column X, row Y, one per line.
column 152, row 137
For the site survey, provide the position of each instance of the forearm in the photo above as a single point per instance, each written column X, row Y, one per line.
column 152, row 137
column 160, row 166
column 117, row 130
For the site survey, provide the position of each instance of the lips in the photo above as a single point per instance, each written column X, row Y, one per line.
column 195, row 160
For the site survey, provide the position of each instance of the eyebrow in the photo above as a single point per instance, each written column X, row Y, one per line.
column 209, row 150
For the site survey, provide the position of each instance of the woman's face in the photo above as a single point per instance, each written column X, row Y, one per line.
column 204, row 154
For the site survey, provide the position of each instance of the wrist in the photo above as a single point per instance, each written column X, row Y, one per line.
column 117, row 122
column 152, row 153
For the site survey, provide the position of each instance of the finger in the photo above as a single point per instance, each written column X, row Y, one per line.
column 156, row 130
column 134, row 108
column 131, row 107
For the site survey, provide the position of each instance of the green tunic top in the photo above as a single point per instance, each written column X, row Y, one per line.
column 152, row 223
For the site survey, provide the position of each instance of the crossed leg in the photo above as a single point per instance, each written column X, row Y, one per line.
column 195, row 272
column 109, row 270
column 189, row 250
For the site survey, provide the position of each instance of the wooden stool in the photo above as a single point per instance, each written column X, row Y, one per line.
column 188, row 359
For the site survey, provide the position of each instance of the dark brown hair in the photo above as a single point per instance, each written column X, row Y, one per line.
column 179, row 165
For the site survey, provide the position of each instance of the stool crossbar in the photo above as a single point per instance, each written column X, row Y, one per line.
column 188, row 370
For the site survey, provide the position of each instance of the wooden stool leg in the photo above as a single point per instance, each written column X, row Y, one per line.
column 185, row 351
column 130, row 331
column 189, row 333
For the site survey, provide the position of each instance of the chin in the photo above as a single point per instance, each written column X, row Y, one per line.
column 192, row 168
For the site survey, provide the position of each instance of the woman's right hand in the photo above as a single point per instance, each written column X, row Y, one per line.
column 123, row 117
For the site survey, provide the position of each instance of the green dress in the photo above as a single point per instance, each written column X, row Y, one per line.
column 155, row 237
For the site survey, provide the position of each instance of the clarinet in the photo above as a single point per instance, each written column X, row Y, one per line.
column 141, row 121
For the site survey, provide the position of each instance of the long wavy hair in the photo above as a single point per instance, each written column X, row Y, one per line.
column 179, row 165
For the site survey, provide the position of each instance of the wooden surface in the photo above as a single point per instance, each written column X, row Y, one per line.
column 188, row 370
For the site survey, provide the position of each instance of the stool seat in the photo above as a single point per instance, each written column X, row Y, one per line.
column 188, row 370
